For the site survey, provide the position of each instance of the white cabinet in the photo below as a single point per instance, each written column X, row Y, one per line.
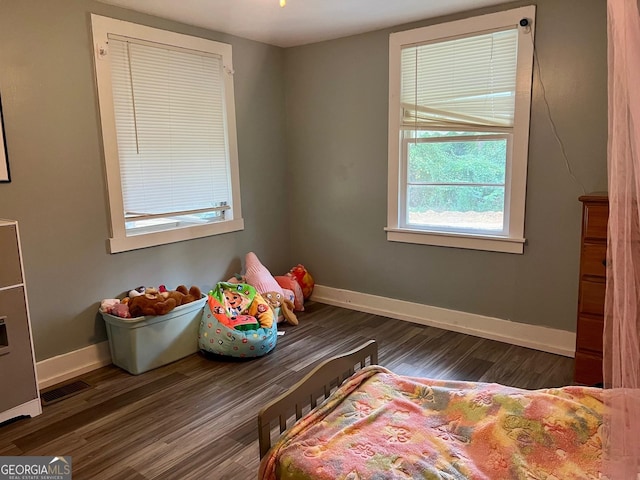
column 19, row 393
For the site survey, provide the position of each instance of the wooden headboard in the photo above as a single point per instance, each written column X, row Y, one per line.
column 317, row 384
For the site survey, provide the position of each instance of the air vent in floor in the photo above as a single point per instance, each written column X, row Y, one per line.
column 63, row 391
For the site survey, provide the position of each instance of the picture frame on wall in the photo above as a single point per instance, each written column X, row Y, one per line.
column 5, row 175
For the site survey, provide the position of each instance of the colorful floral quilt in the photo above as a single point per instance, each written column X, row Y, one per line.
column 379, row 425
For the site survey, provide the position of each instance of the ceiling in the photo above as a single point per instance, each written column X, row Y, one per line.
column 301, row 21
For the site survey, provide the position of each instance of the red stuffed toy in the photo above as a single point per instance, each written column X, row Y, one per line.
column 304, row 278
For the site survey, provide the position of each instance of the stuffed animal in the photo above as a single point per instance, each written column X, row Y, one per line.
column 237, row 278
column 304, row 278
column 136, row 292
column 288, row 283
column 182, row 295
column 259, row 276
column 153, row 302
column 108, row 304
column 261, row 279
column 275, row 300
column 121, row 310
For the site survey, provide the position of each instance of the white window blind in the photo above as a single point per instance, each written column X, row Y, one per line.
column 170, row 125
column 460, row 83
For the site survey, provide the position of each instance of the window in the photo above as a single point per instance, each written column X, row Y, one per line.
column 459, row 101
column 169, row 135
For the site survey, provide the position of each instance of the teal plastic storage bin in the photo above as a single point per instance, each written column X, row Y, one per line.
column 143, row 343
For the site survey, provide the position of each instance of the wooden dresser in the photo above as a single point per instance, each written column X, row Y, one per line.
column 593, row 253
column 18, row 381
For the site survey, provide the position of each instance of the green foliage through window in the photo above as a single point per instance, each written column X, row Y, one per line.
column 461, row 174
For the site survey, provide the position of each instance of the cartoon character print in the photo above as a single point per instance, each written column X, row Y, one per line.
column 235, row 303
column 219, row 312
column 244, row 322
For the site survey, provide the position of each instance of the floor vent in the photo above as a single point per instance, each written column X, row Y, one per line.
column 63, row 391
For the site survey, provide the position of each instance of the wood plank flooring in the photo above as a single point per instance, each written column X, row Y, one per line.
column 196, row 418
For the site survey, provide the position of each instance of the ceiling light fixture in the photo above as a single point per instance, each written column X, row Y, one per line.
column 283, row 3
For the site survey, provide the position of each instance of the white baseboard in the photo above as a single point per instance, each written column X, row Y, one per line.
column 545, row 339
column 63, row 367
column 68, row 365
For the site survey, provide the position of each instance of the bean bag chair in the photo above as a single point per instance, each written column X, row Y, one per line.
column 237, row 322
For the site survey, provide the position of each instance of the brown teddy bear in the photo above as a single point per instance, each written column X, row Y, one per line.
column 154, row 302
column 183, row 296
column 190, row 295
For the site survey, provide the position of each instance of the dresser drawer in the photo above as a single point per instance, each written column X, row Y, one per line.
column 592, row 297
column 596, row 217
column 588, row 369
column 590, row 332
column 10, row 272
column 594, row 256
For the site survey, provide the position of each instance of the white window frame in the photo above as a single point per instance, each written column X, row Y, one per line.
column 119, row 241
column 512, row 240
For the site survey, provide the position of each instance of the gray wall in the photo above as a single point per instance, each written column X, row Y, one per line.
column 57, row 191
column 313, row 189
column 337, row 151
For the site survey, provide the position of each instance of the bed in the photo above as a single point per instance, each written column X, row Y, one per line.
column 350, row 418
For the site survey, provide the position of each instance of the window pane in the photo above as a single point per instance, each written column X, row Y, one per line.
column 457, row 161
column 139, row 227
column 460, row 207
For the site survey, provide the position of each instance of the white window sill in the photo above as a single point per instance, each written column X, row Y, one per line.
column 473, row 242
column 134, row 242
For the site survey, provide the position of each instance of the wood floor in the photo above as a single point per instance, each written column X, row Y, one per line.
column 196, row 418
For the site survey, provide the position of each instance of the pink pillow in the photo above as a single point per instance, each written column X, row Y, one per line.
column 291, row 283
column 258, row 275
